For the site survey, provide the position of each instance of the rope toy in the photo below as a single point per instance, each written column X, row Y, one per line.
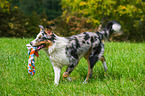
column 32, row 52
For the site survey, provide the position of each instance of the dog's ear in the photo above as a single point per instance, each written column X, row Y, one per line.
column 42, row 28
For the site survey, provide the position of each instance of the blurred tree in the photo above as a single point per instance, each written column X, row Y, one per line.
column 21, row 17
column 4, row 5
column 130, row 13
column 51, row 8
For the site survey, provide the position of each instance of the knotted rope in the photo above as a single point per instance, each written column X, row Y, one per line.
column 31, row 62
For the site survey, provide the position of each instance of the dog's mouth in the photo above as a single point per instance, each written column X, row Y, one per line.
column 41, row 46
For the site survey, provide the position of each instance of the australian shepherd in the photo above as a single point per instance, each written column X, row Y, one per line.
column 68, row 51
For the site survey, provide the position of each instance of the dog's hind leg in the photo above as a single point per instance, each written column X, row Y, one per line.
column 90, row 72
column 95, row 54
column 104, row 63
column 101, row 57
column 91, row 62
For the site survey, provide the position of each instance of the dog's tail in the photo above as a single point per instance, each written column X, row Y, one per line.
column 110, row 28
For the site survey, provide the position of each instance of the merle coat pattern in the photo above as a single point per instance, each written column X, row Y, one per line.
column 88, row 45
column 68, row 51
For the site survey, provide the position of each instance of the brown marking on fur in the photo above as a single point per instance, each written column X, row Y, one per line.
column 47, row 42
column 89, row 70
column 87, row 54
column 102, row 59
column 89, row 66
column 65, row 74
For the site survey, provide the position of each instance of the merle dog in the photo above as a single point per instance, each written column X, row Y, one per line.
column 68, row 51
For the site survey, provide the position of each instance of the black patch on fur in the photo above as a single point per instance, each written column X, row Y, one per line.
column 77, row 43
column 94, row 58
column 43, row 34
column 74, row 53
column 98, row 49
column 86, row 36
column 66, row 48
column 52, row 38
column 92, row 40
column 83, row 42
column 72, row 66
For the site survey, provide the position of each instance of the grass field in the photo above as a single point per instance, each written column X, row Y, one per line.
column 125, row 75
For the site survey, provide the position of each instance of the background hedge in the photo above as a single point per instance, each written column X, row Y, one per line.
column 20, row 18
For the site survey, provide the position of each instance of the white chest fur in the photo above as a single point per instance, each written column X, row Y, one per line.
column 57, row 53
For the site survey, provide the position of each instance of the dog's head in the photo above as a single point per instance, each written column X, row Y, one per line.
column 42, row 40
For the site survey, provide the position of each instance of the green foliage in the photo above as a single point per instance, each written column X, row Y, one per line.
column 15, row 24
column 51, row 8
column 4, row 5
column 73, row 24
column 125, row 75
column 20, row 18
column 130, row 13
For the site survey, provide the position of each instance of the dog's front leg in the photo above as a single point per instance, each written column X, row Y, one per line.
column 57, row 71
column 66, row 75
column 68, row 71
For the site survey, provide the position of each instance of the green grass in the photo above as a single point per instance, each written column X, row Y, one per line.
column 125, row 75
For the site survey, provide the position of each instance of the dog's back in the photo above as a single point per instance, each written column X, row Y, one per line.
column 81, row 43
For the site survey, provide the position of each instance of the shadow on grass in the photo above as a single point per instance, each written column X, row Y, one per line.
column 101, row 75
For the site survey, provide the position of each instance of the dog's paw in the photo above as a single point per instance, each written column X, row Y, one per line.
column 56, row 84
column 69, row 79
column 85, row 81
column 105, row 69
